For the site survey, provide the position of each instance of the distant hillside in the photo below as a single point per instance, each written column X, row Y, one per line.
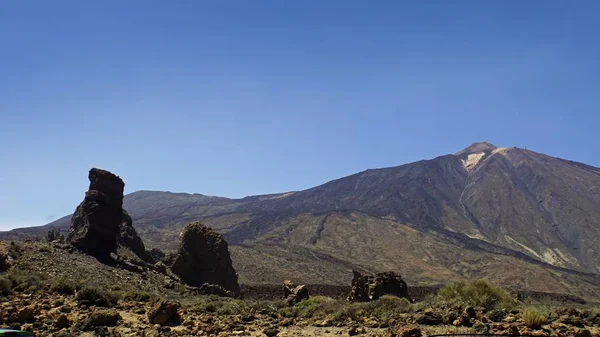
column 515, row 216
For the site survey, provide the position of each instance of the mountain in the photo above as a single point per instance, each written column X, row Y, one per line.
column 515, row 216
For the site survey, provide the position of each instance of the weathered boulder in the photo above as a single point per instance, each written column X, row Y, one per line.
column 100, row 318
column 294, row 294
column 367, row 288
column 429, row 317
column 100, row 222
column 164, row 312
column 360, row 288
column 203, row 257
column 409, row 331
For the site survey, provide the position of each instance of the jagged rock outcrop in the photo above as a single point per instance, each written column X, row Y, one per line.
column 129, row 238
column 156, row 254
column 366, row 287
column 54, row 235
column 294, row 294
column 100, row 222
column 203, row 257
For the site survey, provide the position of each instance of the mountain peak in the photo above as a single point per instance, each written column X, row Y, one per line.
column 476, row 148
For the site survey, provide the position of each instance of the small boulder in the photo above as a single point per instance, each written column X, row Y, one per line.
column 62, row 322
column 409, row 331
column 26, row 315
column 100, row 318
column 496, row 315
column 429, row 317
column 480, row 328
column 164, row 312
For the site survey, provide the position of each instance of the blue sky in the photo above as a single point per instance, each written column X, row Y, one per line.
column 235, row 98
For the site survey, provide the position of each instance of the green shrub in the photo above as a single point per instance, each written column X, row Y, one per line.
column 25, row 281
column 208, row 304
column 96, row 296
column 534, row 318
column 138, row 296
column 231, row 306
column 65, row 286
column 15, row 250
column 5, row 286
column 387, row 307
column 478, row 293
column 46, row 249
column 316, row 306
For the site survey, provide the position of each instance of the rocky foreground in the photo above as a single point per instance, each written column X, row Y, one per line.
column 53, row 290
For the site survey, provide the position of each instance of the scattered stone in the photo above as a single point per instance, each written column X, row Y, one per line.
column 294, row 294
column 429, row 317
column 409, row 331
column 480, row 328
column 26, row 315
column 582, row 333
column 62, row 322
column 496, row 315
column 203, row 257
column 100, row 318
column 164, row 312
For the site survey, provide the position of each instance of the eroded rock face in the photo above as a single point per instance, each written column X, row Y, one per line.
column 203, row 257
column 294, row 294
column 100, row 222
column 367, row 288
column 129, row 238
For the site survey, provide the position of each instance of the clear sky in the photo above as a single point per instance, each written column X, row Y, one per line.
column 236, row 98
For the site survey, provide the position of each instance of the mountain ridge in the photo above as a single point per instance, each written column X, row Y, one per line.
column 489, row 205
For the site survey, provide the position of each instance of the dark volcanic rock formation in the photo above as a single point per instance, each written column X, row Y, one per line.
column 294, row 294
column 367, row 288
column 203, row 257
column 128, row 238
column 100, row 222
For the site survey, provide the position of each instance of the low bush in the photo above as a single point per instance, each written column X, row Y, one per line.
column 478, row 293
column 25, row 281
column 231, row 306
column 5, row 286
column 534, row 318
column 65, row 286
column 138, row 296
column 96, row 296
